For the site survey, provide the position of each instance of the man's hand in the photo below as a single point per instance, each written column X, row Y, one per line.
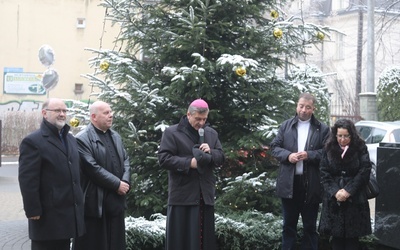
column 123, row 188
column 299, row 156
column 193, row 163
column 34, row 217
column 205, row 147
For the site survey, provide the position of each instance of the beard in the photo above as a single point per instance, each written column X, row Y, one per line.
column 60, row 124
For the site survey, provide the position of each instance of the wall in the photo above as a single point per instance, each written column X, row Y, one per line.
column 29, row 24
column 20, row 106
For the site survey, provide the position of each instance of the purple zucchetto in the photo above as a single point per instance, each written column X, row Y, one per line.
column 199, row 103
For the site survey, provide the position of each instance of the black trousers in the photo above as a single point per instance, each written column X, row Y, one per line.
column 105, row 233
column 344, row 243
column 292, row 209
column 51, row 244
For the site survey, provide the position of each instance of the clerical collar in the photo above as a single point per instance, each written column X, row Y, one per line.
column 99, row 130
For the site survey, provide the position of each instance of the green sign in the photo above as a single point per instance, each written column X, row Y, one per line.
column 23, row 83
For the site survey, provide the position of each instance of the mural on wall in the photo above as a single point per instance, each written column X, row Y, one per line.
column 30, row 105
column 21, row 106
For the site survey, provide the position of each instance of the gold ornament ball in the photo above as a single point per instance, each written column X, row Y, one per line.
column 320, row 35
column 240, row 71
column 278, row 33
column 74, row 122
column 274, row 14
column 104, row 65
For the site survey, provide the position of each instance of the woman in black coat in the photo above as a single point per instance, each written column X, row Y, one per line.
column 345, row 170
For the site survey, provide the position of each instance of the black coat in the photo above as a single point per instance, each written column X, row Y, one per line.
column 96, row 179
column 285, row 143
column 175, row 154
column 49, row 181
column 351, row 218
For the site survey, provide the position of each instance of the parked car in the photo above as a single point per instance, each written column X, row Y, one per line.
column 374, row 132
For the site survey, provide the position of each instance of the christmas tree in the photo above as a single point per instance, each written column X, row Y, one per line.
column 236, row 55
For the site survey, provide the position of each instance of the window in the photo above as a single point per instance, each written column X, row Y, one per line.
column 339, row 46
column 371, row 134
column 81, row 23
column 377, row 135
column 340, row 4
column 78, row 88
column 144, row 56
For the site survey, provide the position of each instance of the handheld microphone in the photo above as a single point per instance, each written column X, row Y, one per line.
column 201, row 134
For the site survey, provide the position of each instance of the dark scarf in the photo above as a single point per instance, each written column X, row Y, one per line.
column 335, row 154
column 192, row 133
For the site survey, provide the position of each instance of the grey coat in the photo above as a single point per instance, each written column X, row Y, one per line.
column 285, row 143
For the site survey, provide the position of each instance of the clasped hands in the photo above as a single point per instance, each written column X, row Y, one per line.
column 342, row 195
column 201, row 155
column 299, row 156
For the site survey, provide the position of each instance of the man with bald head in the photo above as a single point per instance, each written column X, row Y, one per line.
column 105, row 181
column 49, row 181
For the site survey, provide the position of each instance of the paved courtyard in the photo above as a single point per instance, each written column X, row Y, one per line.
column 13, row 223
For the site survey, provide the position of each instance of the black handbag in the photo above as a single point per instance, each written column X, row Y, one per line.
column 372, row 187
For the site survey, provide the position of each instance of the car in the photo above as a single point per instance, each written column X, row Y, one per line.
column 374, row 132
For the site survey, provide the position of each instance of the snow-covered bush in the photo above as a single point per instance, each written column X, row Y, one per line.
column 388, row 93
column 250, row 230
column 237, row 231
column 145, row 234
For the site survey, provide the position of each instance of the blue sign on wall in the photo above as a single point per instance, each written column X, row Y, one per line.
column 13, row 70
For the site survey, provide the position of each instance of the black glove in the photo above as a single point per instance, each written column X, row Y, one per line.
column 203, row 159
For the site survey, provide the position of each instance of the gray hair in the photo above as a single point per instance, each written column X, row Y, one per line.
column 193, row 109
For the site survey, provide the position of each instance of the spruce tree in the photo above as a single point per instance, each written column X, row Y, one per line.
column 236, row 55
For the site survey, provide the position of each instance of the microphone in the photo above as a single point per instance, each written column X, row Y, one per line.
column 201, row 134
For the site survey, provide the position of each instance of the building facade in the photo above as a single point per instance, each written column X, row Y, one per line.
column 67, row 27
column 343, row 54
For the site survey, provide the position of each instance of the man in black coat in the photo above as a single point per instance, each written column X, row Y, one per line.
column 298, row 147
column 190, row 151
column 49, row 181
column 105, row 181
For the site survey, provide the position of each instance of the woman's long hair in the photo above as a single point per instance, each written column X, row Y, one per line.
column 355, row 140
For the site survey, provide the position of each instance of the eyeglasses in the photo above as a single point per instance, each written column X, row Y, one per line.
column 58, row 111
column 343, row 136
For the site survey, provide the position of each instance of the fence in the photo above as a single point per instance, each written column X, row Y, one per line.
column 15, row 126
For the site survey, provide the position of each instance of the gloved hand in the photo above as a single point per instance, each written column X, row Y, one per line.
column 203, row 159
